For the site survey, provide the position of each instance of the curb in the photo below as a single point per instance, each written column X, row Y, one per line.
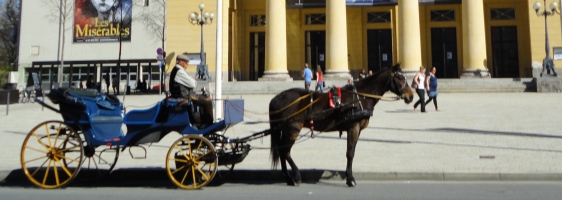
column 158, row 177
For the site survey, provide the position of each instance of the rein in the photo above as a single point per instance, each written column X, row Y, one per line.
column 377, row 96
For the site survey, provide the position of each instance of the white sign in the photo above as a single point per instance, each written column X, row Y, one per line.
column 384, row 57
column 321, row 57
column 449, row 55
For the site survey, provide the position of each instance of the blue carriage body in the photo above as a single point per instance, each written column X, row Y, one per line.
column 101, row 118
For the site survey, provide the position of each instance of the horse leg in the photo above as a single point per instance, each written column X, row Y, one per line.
column 352, row 137
column 283, row 160
column 294, row 178
column 296, row 173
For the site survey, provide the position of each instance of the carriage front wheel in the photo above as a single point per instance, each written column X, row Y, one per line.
column 51, row 154
column 191, row 162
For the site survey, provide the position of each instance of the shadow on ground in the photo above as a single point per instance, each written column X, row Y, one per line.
column 157, row 177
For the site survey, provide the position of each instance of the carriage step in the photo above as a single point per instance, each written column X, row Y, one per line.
column 137, row 157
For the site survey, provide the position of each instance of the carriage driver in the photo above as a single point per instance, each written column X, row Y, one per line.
column 182, row 85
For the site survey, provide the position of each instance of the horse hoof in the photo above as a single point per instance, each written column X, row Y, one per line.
column 292, row 183
column 351, row 183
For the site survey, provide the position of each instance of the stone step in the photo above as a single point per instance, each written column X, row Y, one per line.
column 445, row 85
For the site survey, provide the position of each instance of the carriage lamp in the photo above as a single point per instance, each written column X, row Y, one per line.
column 547, row 63
column 202, row 18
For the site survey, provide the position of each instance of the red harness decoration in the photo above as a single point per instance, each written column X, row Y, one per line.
column 331, row 100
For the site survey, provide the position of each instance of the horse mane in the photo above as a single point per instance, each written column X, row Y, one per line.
column 374, row 84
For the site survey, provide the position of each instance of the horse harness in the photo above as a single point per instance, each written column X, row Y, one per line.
column 334, row 95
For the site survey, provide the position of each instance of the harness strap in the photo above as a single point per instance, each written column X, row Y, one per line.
column 295, row 101
column 296, row 113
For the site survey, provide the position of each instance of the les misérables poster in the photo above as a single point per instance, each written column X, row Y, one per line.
column 102, row 21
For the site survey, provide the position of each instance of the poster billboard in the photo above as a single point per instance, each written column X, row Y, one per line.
column 102, row 21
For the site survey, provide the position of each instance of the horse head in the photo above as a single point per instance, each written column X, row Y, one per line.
column 398, row 84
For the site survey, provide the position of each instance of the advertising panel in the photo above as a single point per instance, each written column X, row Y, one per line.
column 102, row 21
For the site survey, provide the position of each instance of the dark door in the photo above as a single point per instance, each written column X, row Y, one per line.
column 379, row 49
column 257, row 55
column 315, row 49
column 505, row 56
column 444, row 52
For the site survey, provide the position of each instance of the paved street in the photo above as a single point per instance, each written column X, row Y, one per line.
column 474, row 136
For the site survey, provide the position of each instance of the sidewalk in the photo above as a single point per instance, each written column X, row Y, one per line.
column 474, row 136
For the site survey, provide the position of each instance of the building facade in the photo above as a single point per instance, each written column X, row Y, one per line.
column 262, row 42
column 91, row 44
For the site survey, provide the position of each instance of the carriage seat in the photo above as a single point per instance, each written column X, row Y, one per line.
column 182, row 105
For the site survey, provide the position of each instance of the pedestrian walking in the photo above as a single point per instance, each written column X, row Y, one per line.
column 421, row 83
column 307, row 75
column 319, row 79
column 432, row 83
column 115, row 85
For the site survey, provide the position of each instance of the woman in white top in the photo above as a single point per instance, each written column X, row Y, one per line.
column 420, row 81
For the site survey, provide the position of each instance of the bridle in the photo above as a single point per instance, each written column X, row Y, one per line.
column 393, row 83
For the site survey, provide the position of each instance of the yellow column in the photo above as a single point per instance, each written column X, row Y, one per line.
column 474, row 42
column 275, row 42
column 409, row 52
column 336, row 40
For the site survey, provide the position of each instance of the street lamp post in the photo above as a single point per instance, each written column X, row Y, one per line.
column 202, row 18
column 547, row 63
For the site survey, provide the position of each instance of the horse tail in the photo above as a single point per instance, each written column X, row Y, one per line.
column 275, row 135
column 275, row 130
column 274, row 149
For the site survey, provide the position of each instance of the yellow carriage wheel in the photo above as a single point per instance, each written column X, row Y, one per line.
column 51, row 154
column 191, row 162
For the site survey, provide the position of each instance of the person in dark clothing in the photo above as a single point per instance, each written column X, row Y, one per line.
column 89, row 83
column 107, row 81
column 182, row 85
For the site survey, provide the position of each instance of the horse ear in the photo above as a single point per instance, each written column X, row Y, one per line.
column 396, row 68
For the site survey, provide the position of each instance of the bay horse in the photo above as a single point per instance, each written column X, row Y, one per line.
column 293, row 109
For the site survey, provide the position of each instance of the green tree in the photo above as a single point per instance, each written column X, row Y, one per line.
column 9, row 33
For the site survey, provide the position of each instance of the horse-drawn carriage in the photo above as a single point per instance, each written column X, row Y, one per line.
column 90, row 137
column 55, row 151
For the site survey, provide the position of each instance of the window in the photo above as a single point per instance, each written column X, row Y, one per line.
column 257, row 20
column 146, row 3
column 315, row 19
column 502, row 14
column 378, row 17
column 442, row 15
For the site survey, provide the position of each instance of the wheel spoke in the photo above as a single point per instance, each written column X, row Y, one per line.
column 38, row 150
column 71, row 159
column 203, row 173
column 41, row 166
column 193, row 175
column 178, row 169
column 184, row 176
column 183, row 152
column 47, row 172
column 199, row 157
column 40, row 141
column 68, row 172
column 199, row 146
column 35, row 159
column 56, row 171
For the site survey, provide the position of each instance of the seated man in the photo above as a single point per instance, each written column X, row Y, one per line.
column 181, row 86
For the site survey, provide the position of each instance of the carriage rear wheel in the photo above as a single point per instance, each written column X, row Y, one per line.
column 51, row 154
column 191, row 162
